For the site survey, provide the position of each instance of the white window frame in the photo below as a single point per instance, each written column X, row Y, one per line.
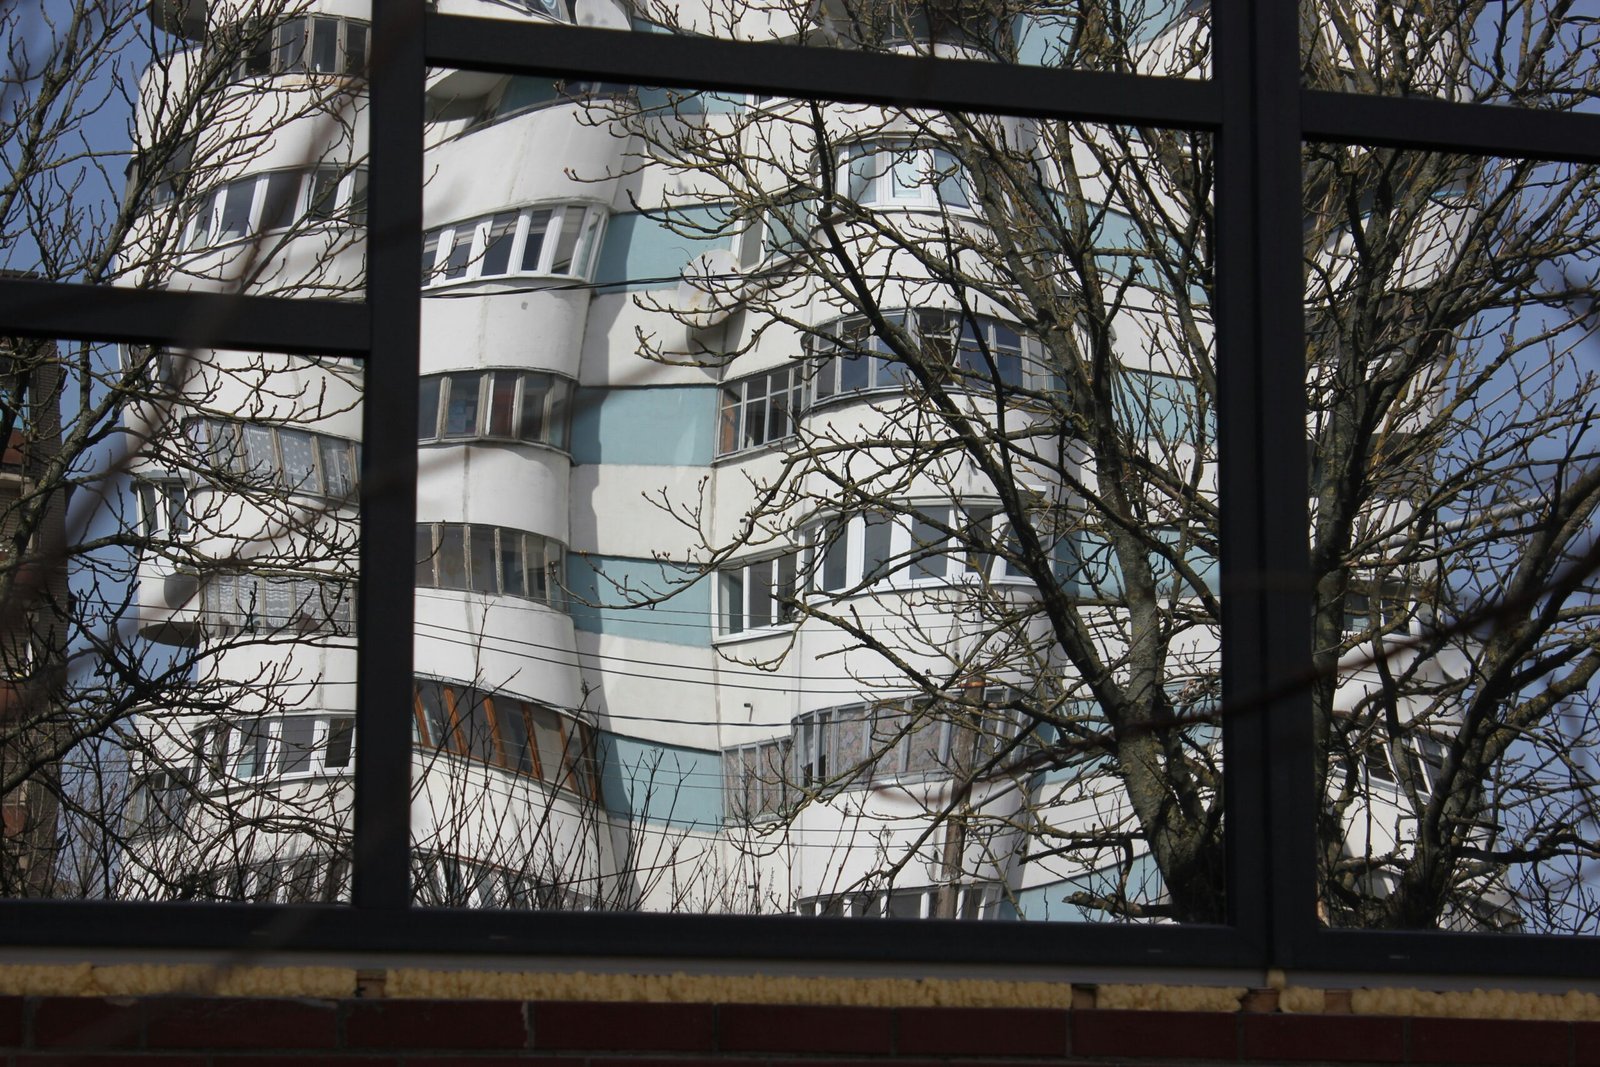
column 555, row 421
column 786, row 384
column 473, row 234
column 890, row 160
column 735, row 619
column 202, row 230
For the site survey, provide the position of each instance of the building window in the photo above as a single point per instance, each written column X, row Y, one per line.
column 760, row 410
column 558, row 239
column 851, row 553
column 852, row 357
column 315, row 44
column 975, row 901
column 904, row 174
column 488, row 559
column 521, row 93
column 757, row 781
column 509, row 732
column 888, row 741
column 274, row 202
column 1373, row 607
column 270, row 604
column 497, row 405
column 757, row 595
column 284, row 458
column 163, row 509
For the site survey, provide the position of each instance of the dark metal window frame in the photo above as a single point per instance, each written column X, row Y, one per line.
column 1260, row 114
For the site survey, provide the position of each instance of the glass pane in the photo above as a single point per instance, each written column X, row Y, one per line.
column 461, row 410
column 485, row 562
column 1520, row 53
column 1450, row 375
column 1169, row 37
column 937, row 443
column 502, row 402
column 428, row 408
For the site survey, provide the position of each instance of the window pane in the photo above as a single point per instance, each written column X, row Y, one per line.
column 299, row 461
column 291, row 45
column 497, row 249
column 338, row 467
column 484, row 560
column 512, row 563
column 508, row 714
column 428, row 408
column 341, row 739
column 236, row 203
column 461, row 411
column 534, row 393
column 295, row 744
column 459, row 257
column 355, row 38
column 567, row 245
column 425, row 556
column 325, row 45
column 731, row 588
column 323, row 201
column 547, row 737
column 435, row 715
column 502, row 402
column 533, row 249
column 452, row 557
column 282, row 200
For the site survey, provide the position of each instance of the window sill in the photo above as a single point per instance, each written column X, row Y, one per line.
column 754, row 634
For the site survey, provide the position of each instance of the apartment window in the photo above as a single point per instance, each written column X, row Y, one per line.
column 757, row 780
column 496, row 405
column 903, row 174
column 557, row 239
column 975, row 901
column 274, row 202
column 522, row 93
column 851, row 356
column 889, row 740
column 757, row 595
column 274, row 747
column 316, row 44
column 509, row 732
column 285, row 458
column 488, row 559
column 874, row 547
column 163, row 509
column 272, row 604
column 761, row 409
column 1373, row 607
column 156, row 802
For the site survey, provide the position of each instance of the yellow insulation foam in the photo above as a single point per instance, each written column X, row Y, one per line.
column 415, row 983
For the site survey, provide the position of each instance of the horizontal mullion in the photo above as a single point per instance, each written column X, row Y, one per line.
column 466, row 43
column 1446, row 126
column 65, row 311
column 266, row 927
column 1420, row 952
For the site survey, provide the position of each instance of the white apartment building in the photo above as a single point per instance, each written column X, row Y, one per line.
column 715, row 612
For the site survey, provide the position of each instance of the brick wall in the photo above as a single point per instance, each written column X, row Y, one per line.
column 215, row 1032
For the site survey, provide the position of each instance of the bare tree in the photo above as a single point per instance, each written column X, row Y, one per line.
column 969, row 389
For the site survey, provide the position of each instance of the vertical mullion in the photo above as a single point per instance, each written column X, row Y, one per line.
column 1265, row 523
column 381, row 874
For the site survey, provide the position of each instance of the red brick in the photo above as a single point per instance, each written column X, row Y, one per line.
column 439, row 1024
column 319, row 1059
column 1336, row 1038
column 87, row 1022
column 805, row 1029
column 1515, row 1042
column 1586, row 1045
column 1176, row 1034
column 980, row 1032
column 624, row 1027
column 10, row 1022
column 215, row 1022
column 66, row 1058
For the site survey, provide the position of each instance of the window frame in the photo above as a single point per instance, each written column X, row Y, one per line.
column 1262, row 114
column 587, row 225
